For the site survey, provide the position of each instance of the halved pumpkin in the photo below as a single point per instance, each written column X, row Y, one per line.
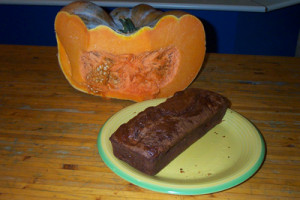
column 135, row 54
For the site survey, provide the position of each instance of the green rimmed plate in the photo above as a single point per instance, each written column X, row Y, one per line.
column 226, row 156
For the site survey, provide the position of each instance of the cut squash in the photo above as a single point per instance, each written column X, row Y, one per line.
column 134, row 54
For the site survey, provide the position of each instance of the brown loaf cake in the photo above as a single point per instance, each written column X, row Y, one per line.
column 157, row 135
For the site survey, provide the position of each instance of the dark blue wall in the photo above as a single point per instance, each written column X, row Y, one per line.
column 271, row 33
column 28, row 25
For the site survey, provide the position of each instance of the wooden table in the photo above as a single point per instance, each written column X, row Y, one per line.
column 48, row 130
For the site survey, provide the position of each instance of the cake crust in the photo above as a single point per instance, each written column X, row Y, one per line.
column 157, row 135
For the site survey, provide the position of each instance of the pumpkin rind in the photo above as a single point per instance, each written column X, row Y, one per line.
column 160, row 33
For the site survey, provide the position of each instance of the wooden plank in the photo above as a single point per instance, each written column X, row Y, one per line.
column 48, row 130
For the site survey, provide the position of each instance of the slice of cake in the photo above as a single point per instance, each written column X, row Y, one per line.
column 157, row 135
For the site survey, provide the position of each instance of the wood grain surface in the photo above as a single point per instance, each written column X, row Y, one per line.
column 48, row 130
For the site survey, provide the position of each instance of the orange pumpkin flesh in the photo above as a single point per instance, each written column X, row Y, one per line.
column 150, row 63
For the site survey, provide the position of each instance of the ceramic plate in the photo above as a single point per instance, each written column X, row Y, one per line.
column 226, row 156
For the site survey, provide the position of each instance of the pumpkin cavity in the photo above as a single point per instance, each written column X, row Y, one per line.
column 144, row 73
